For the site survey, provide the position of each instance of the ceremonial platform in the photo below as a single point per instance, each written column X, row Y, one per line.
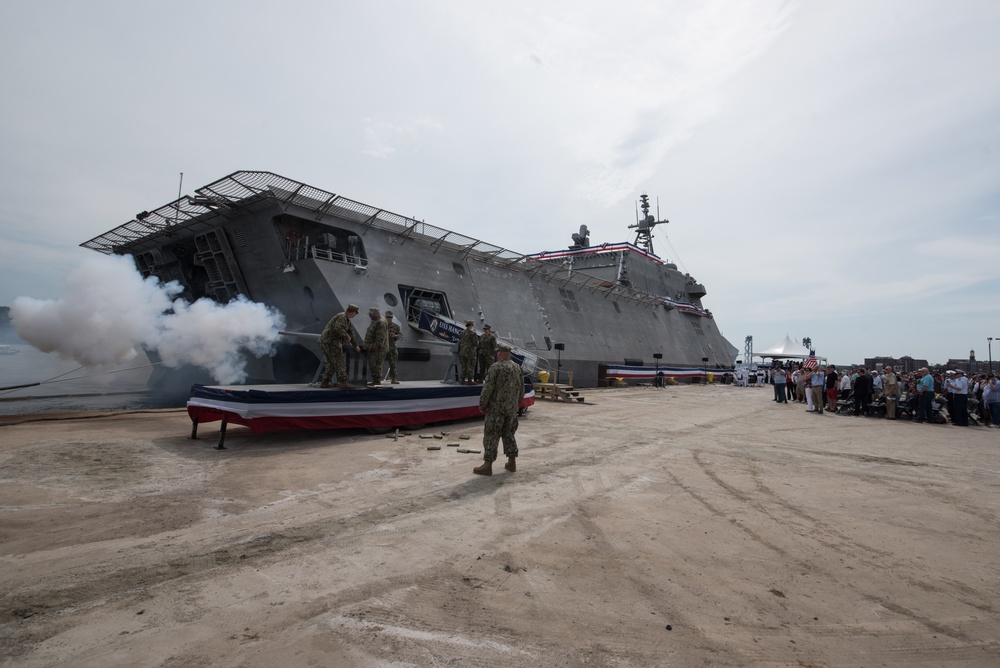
column 289, row 407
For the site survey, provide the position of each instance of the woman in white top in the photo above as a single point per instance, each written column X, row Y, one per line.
column 845, row 385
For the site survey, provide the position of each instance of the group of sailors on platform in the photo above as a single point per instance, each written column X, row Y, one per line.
column 476, row 353
column 380, row 346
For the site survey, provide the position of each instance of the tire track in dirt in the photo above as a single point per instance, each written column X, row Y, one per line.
column 812, row 567
column 155, row 562
column 813, row 524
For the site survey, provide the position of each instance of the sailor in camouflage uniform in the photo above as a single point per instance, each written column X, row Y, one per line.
column 501, row 395
column 392, row 356
column 338, row 332
column 376, row 344
column 468, row 349
column 487, row 351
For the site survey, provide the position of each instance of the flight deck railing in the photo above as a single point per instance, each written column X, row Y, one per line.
column 241, row 189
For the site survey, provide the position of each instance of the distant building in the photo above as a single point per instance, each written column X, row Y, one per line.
column 969, row 366
column 904, row 364
column 907, row 364
column 880, row 362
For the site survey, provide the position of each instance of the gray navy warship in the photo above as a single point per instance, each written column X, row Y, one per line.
column 309, row 253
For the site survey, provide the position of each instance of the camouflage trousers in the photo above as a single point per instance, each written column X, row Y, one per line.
column 499, row 425
column 335, row 361
column 484, row 365
column 392, row 357
column 468, row 367
column 376, row 358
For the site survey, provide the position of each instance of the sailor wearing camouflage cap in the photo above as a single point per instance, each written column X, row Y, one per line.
column 335, row 336
column 487, row 351
column 502, row 392
column 392, row 354
column 468, row 350
column 376, row 344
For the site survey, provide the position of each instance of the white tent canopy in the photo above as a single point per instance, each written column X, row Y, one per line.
column 787, row 349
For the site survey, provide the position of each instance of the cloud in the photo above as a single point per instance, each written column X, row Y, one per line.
column 964, row 255
column 382, row 138
column 628, row 85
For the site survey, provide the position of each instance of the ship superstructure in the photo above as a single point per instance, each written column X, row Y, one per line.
column 309, row 253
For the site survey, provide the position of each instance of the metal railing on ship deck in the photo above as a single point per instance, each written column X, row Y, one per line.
column 241, row 189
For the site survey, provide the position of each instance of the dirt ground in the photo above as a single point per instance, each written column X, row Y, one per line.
column 689, row 526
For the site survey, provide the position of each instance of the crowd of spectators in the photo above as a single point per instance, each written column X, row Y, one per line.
column 922, row 395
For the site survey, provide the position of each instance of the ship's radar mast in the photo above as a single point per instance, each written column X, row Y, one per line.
column 644, row 225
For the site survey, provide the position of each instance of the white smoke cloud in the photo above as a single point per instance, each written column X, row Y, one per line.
column 109, row 310
column 211, row 335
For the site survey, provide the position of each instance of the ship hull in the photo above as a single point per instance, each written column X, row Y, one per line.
column 309, row 254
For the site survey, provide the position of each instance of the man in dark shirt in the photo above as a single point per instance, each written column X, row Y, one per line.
column 862, row 392
column 831, row 388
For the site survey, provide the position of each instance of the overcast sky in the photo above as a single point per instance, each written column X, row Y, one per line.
column 829, row 169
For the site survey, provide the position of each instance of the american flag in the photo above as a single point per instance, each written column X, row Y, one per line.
column 811, row 363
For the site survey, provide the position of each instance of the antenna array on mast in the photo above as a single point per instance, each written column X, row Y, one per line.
column 644, row 225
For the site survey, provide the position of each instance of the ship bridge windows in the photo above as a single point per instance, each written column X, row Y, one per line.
column 417, row 299
column 305, row 239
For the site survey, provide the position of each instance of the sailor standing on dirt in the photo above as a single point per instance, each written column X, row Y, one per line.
column 468, row 349
column 376, row 344
column 392, row 355
column 487, row 351
column 335, row 336
column 499, row 400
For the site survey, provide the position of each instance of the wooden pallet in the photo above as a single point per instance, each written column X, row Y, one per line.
column 557, row 392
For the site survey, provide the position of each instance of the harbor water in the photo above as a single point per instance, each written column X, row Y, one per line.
column 64, row 386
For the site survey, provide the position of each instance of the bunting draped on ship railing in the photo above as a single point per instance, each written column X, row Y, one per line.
column 626, row 372
column 594, row 250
